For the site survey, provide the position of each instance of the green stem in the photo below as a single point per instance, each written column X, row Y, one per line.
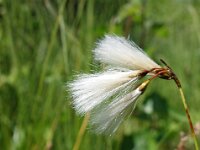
column 50, row 47
column 81, row 132
column 189, row 118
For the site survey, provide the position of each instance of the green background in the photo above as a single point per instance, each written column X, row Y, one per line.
column 44, row 43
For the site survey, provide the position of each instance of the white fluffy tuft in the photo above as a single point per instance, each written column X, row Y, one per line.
column 112, row 95
column 108, row 117
column 117, row 51
column 88, row 91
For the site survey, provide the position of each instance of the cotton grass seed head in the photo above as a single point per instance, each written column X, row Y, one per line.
column 111, row 95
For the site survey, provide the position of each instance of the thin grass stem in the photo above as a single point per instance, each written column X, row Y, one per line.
column 81, row 132
column 50, row 47
column 189, row 118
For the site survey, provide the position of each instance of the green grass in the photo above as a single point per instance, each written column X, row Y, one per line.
column 44, row 43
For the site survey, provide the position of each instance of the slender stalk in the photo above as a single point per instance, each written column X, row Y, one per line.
column 81, row 132
column 172, row 75
column 189, row 118
column 50, row 47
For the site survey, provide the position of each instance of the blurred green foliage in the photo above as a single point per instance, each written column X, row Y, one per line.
column 44, row 43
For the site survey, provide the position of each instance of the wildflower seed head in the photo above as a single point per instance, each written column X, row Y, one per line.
column 111, row 95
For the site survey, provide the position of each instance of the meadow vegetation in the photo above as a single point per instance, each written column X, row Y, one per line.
column 43, row 44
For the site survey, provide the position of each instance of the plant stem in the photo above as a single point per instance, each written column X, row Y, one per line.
column 81, row 132
column 189, row 119
column 173, row 76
